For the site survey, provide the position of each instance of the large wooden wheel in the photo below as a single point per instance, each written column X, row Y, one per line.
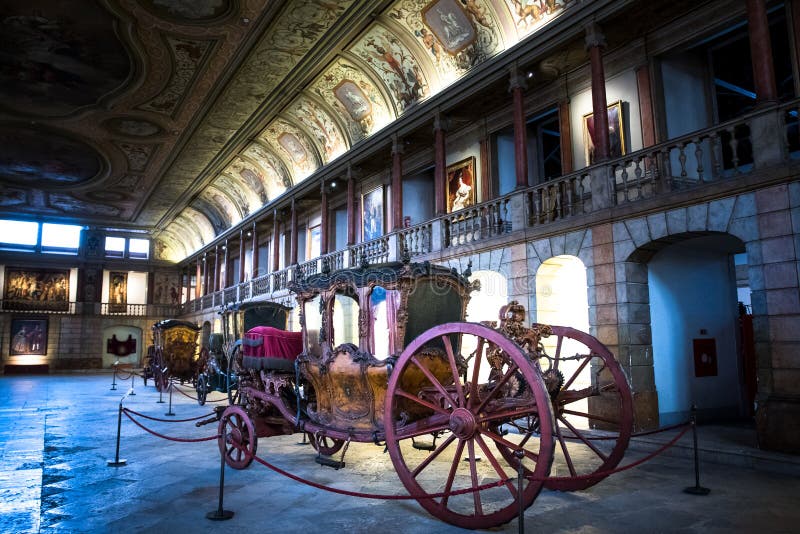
column 434, row 390
column 232, row 378
column 237, row 438
column 592, row 405
column 160, row 378
column 325, row 444
column 201, row 388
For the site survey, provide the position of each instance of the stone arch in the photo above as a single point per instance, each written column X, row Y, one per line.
column 485, row 304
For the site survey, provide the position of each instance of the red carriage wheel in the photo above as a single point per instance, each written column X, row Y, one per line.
column 157, row 365
column 232, row 378
column 237, row 438
column 325, row 444
column 592, row 405
column 432, row 389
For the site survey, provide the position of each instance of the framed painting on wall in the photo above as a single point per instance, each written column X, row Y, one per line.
column 460, row 184
column 28, row 336
column 372, row 214
column 36, row 289
column 117, row 292
column 616, row 133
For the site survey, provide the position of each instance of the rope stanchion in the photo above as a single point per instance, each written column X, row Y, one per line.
column 117, row 461
column 170, row 412
column 220, row 514
column 697, row 489
column 114, row 380
column 179, row 390
column 133, row 380
column 163, row 436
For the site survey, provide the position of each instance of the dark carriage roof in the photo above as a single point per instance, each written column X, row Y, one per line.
column 381, row 273
column 166, row 324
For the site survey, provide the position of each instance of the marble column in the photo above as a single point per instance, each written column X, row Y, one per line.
column 276, row 241
column 440, row 163
column 595, row 42
column 397, row 183
column 254, row 249
column 293, row 235
column 517, row 87
column 761, row 52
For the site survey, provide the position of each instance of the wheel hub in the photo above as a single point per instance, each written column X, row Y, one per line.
column 462, row 423
column 235, row 436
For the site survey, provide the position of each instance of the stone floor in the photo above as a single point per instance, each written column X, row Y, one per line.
column 57, row 433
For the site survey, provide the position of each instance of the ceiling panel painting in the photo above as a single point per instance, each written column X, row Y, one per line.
column 46, row 158
column 58, row 57
column 294, row 148
column 196, row 225
column 356, row 98
column 394, row 63
column 215, row 215
column 224, row 203
column 327, row 134
column 456, row 35
column 190, row 11
column 253, row 179
column 179, row 233
column 529, row 16
column 277, row 176
column 239, row 192
column 271, row 182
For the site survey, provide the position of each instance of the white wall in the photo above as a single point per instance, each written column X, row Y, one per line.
column 621, row 87
column 693, row 287
column 419, row 197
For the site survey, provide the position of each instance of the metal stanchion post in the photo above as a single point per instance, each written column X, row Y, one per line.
column 519, row 455
column 160, row 396
column 114, row 381
column 133, row 380
column 697, row 489
column 117, row 462
column 170, row 400
column 220, row 514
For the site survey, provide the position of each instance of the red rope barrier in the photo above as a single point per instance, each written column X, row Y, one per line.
column 599, row 474
column 168, row 420
column 179, row 390
column 180, row 440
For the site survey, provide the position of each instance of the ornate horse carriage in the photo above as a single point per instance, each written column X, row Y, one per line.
column 220, row 362
column 173, row 353
column 462, row 408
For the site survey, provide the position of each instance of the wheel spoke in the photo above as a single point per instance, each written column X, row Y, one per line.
column 452, row 474
column 425, row 426
column 513, row 369
column 592, row 417
column 588, row 443
column 510, row 414
column 420, row 401
column 476, row 495
column 558, row 351
column 496, row 465
column 433, row 455
column 580, row 368
column 473, row 388
column 564, row 449
column 509, row 445
column 448, row 348
column 433, row 380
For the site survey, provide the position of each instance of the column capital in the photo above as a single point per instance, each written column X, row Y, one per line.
column 594, row 37
column 516, row 80
column 441, row 122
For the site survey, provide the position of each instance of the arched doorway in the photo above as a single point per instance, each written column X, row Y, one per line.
column 484, row 305
column 694, row 316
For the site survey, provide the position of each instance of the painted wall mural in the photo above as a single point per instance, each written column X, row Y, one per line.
column 457, row 35
column 394, row 63
column 530, row 15
column 294, row 148
column 357, row 100
column 166, row 288
column 36, row 289
column 329, row 138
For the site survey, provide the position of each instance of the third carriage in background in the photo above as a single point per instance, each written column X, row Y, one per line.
column 173, row 354
column 385, row 357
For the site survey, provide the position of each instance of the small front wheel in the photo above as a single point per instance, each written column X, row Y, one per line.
column 202, row 389
column 237, row 438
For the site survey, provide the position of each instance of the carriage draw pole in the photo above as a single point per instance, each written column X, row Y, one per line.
column 220, row 514
column 117, row 461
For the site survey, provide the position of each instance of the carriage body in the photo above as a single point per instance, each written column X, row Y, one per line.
column 384, row 356
column 175, row 351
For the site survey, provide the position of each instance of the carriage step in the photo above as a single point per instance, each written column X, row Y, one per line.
column 329, row 462
column 424, row 446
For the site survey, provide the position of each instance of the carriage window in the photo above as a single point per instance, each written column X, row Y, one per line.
column 313, row 324
column 383, row 305
column 345, row 320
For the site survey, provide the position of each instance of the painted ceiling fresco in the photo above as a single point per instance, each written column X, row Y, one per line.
column 122, row 115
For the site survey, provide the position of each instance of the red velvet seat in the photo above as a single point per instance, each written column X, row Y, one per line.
column 273, row 349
